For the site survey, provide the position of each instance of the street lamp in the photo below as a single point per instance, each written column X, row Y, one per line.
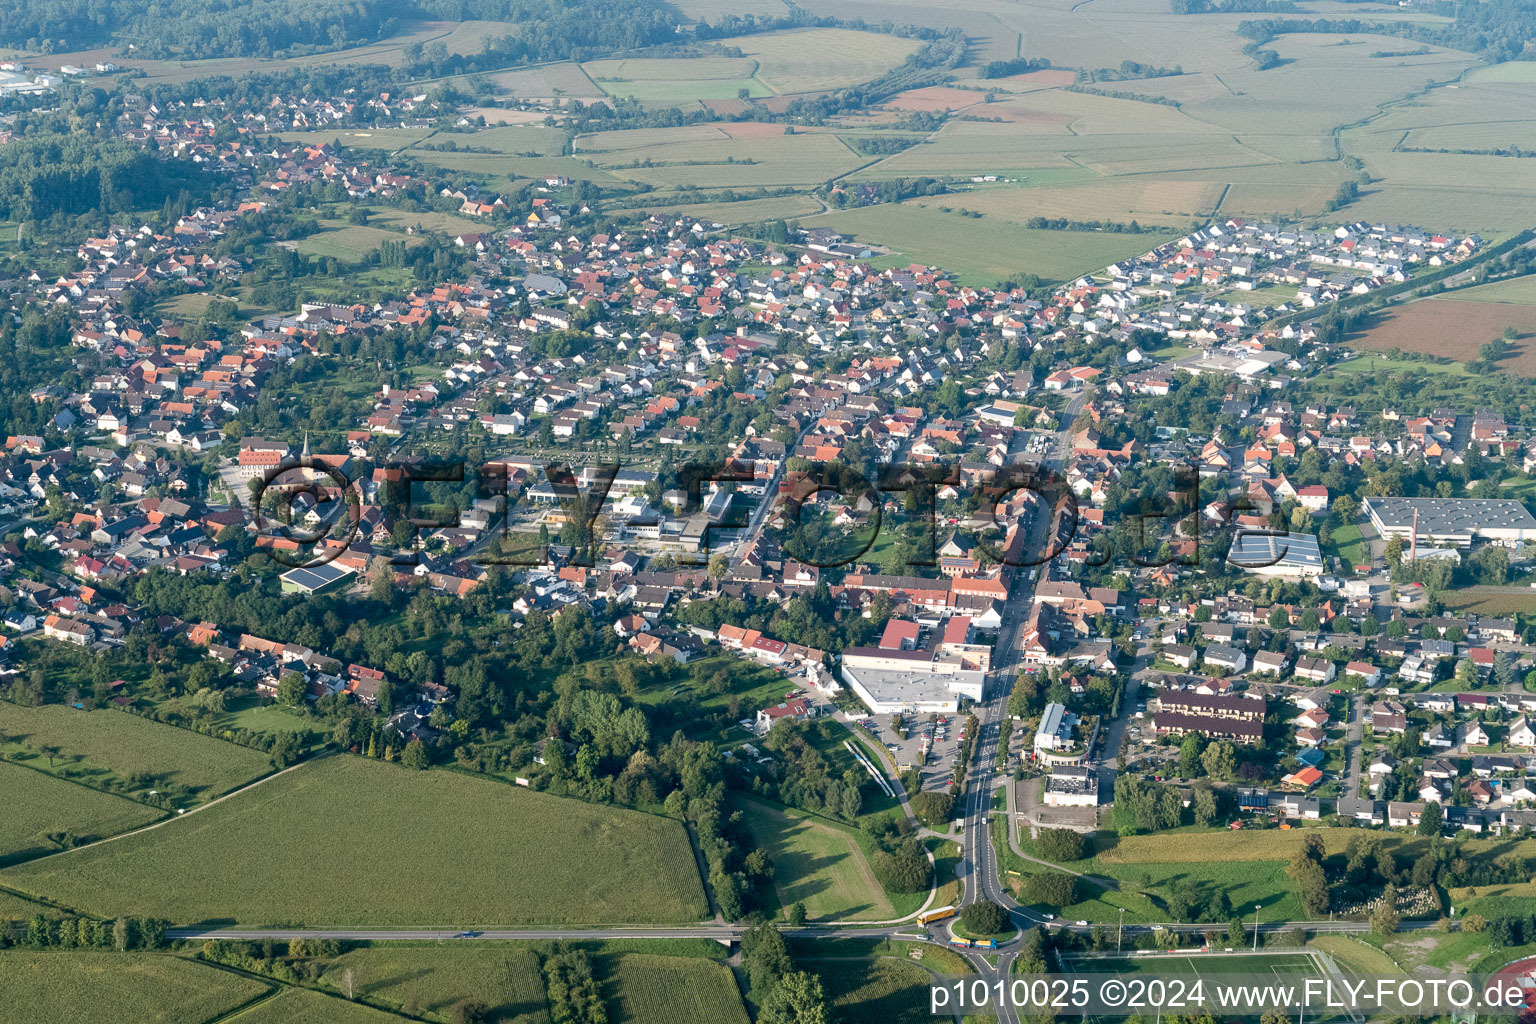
column 1121, row 936
column 1255, row 927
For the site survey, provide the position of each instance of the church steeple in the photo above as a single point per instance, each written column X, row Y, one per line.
column 305, row 453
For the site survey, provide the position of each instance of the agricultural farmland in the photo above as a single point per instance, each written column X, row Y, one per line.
column 305, row 1006
column 589, row 864
column 1457, row 329
column 110, row 749
column 680, row 990
column 671, row 80
column 39, row 806
column 819, row 59
column 432, row 979
column 140, row 988
column 984, row 250
column 881, row 990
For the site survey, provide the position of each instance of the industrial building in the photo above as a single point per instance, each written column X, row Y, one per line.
column 1454, row 521
column 1276, row 554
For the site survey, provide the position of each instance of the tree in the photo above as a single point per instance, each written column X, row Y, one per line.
column 1430, row 820
column 1059, row 844
column 122, row 937
column 414, row 755
column 934, row 808
column 987, row 918
column 349, row 982
column 1220, row 760
column 797, row 999
column 796, row 914
column 1385, row 918
column 1279, row 618
column 1053, row 888
column 470, row 1011
column 292, row 689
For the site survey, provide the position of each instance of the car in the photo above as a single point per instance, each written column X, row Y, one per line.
column 1049, row 917
column 469, row 935
column 1082, row 924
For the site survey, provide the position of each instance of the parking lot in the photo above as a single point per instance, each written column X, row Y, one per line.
column 929, row 745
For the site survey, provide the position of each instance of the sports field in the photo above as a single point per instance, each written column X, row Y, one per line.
column 111, row 749
column 137, row 988
column 378, row 844
column 1215, row 962
column 37, row 805
column 431, row 979
column 819, row 865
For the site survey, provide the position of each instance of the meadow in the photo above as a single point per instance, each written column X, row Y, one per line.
column 680, row 990
column 348, row 242
column 110, row 749
column 428, row 980
column 386, row 846
column 140, row 988
column 670, row 80
column 818, row 864
column 38, row 804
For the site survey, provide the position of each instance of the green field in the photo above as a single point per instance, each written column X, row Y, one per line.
column 14, row 908
column 349, row 242
column 78, row 988
column 645, row 988
column 1278, row 964
column 432, row 979
column 1519, row 291
column 672, row 80
column 38, row 804
column 305, row 1006
column 114, row 750
column 421, row 848
column 818, row 864
column 817, row 59
column 877, row 991
column 985, row 250
column 1354, row 955
column 1488, row 601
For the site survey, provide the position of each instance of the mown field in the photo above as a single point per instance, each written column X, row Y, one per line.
column 818, row 865
column 37, row 805
column 428, row 980
column 420, row 848
column 111, row 749
column 677, row 79
column 124, row 988
column 349, row 242
column 645, row 988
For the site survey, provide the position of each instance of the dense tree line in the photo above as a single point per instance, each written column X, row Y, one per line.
column 123, row 934
column 55, row 172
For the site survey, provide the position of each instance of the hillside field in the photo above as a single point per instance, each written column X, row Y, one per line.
column 381, row 845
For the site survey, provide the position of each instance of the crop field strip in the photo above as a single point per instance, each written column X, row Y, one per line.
column 591, row 864
column 37, row 805
column 434, row 978
column 109, row 748
column 140, row 988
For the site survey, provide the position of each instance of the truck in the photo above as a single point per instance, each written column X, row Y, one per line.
column 936, row 914
column 962, row 943
column 986, row 943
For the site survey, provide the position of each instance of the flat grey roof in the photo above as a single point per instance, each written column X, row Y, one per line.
column 1256, row 551
column 1452, row 515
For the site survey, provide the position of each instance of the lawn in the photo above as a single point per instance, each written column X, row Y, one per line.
column 377, row 844
column 349, row 243
column 818, row 864
column 428, row 980
column 644, row 988
column 38, row 804
column 76, row 988
column 305, row 1006
column 1350, row 545
column 1355, row 956
column 115, row 750
column 878, row 991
